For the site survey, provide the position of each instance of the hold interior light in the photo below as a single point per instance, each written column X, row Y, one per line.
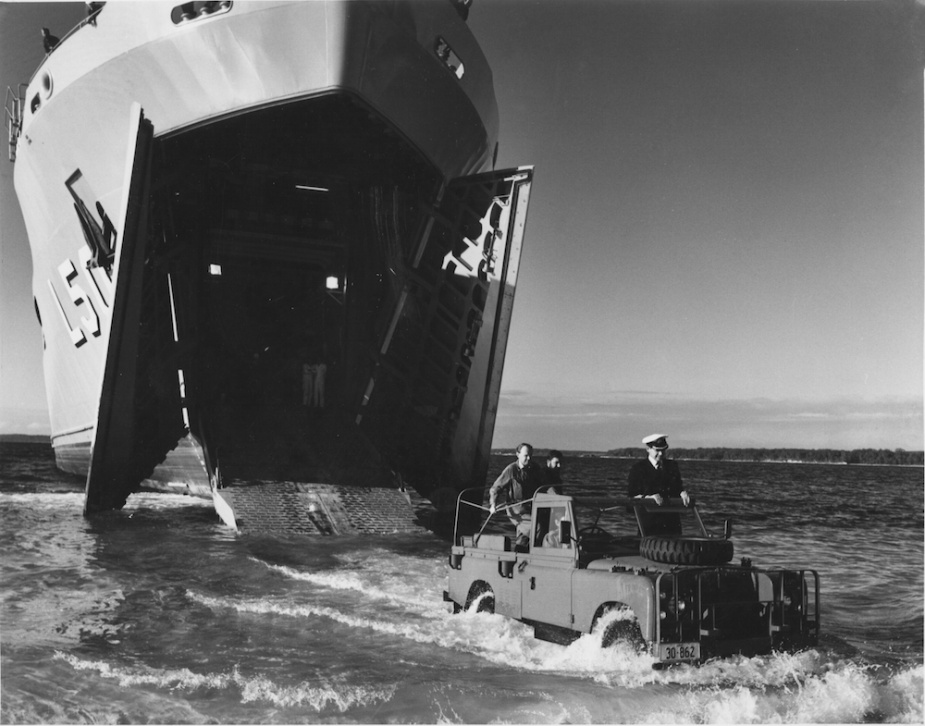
column 215, row 269
column 332, row 283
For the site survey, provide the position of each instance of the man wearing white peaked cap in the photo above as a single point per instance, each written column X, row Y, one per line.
column 658, row 478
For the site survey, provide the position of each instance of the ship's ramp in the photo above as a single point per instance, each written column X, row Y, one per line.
column 318, row 509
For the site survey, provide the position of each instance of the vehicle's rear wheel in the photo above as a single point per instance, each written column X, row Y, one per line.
column 481, row 594
column 686, row 550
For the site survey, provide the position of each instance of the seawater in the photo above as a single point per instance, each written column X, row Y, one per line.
column 158, row 613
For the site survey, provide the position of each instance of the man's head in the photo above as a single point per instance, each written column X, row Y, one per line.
column 656, row 446
column 553, row 459
column 524, row 454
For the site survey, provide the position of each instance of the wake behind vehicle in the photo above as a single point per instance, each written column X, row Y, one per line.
column 671, row 581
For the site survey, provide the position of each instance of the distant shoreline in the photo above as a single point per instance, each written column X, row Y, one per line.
column 682, row 454
column 765, row 461
column 24, row 439
column 834, row 457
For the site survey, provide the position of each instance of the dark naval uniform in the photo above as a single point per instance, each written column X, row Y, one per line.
column 644, row 480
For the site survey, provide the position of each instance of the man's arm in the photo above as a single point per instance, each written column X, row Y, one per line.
column 677, row 486
column 638, row 485
column 504, row 478
column 635, row 485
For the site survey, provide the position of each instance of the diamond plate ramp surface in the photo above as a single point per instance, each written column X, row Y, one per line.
column 319, row 509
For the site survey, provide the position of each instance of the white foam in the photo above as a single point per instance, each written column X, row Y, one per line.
column 841, row 693
column 75, row 500
column 401, row 595
column 64, row 500
column 903, row 695
column 340, row 696
column 265, row 607
column 164, row 500
column 778, row 688
column 498, row 639
column 173, row 678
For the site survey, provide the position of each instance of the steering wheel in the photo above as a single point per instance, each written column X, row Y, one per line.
column 594, row 532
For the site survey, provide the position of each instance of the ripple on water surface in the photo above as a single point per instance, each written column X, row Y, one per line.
column 159, row 613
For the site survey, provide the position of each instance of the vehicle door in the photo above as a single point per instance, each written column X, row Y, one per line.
column 546, row 573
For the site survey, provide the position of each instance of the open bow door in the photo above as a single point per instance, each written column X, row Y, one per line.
column 121, row 454
column 431, row 401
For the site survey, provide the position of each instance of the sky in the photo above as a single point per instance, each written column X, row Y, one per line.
column 726, row 238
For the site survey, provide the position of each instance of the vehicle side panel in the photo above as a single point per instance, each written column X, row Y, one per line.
column 547, row 590
column 487, row 567
column 593, row 588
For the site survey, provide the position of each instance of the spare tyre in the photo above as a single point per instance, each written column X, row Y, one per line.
column 686, row 550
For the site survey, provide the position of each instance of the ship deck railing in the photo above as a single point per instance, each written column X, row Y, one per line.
column 92, row 13
column 181, row 13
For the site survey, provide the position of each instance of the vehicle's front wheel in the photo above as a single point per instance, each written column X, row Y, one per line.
column 482, row 597
column 625, row 627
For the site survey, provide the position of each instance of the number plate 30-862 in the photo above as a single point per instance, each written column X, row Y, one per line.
column 678, row 651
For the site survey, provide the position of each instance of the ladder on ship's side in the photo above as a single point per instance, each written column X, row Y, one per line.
column 14, row 105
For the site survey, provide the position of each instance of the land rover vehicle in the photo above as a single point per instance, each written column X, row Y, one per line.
column 679, row 595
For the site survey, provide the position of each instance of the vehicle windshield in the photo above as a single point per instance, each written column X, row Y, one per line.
column 618, row 518
column 603, row 525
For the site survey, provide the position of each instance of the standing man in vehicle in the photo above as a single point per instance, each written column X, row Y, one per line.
column 658, row 478
column 517, row 483
column 553, row 483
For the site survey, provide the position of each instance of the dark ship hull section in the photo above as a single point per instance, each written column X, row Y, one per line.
column 275, row 242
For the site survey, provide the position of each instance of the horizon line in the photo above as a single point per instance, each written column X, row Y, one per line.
column 41, row 438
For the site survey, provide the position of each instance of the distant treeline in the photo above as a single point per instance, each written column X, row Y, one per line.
column 24, row 439
column 896, row 457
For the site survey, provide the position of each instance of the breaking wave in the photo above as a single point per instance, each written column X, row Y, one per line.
column 792, row 688
column 159, row 614
column 339, row 696
column 358, row 583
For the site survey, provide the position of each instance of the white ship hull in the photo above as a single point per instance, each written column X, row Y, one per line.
column 216, row 202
